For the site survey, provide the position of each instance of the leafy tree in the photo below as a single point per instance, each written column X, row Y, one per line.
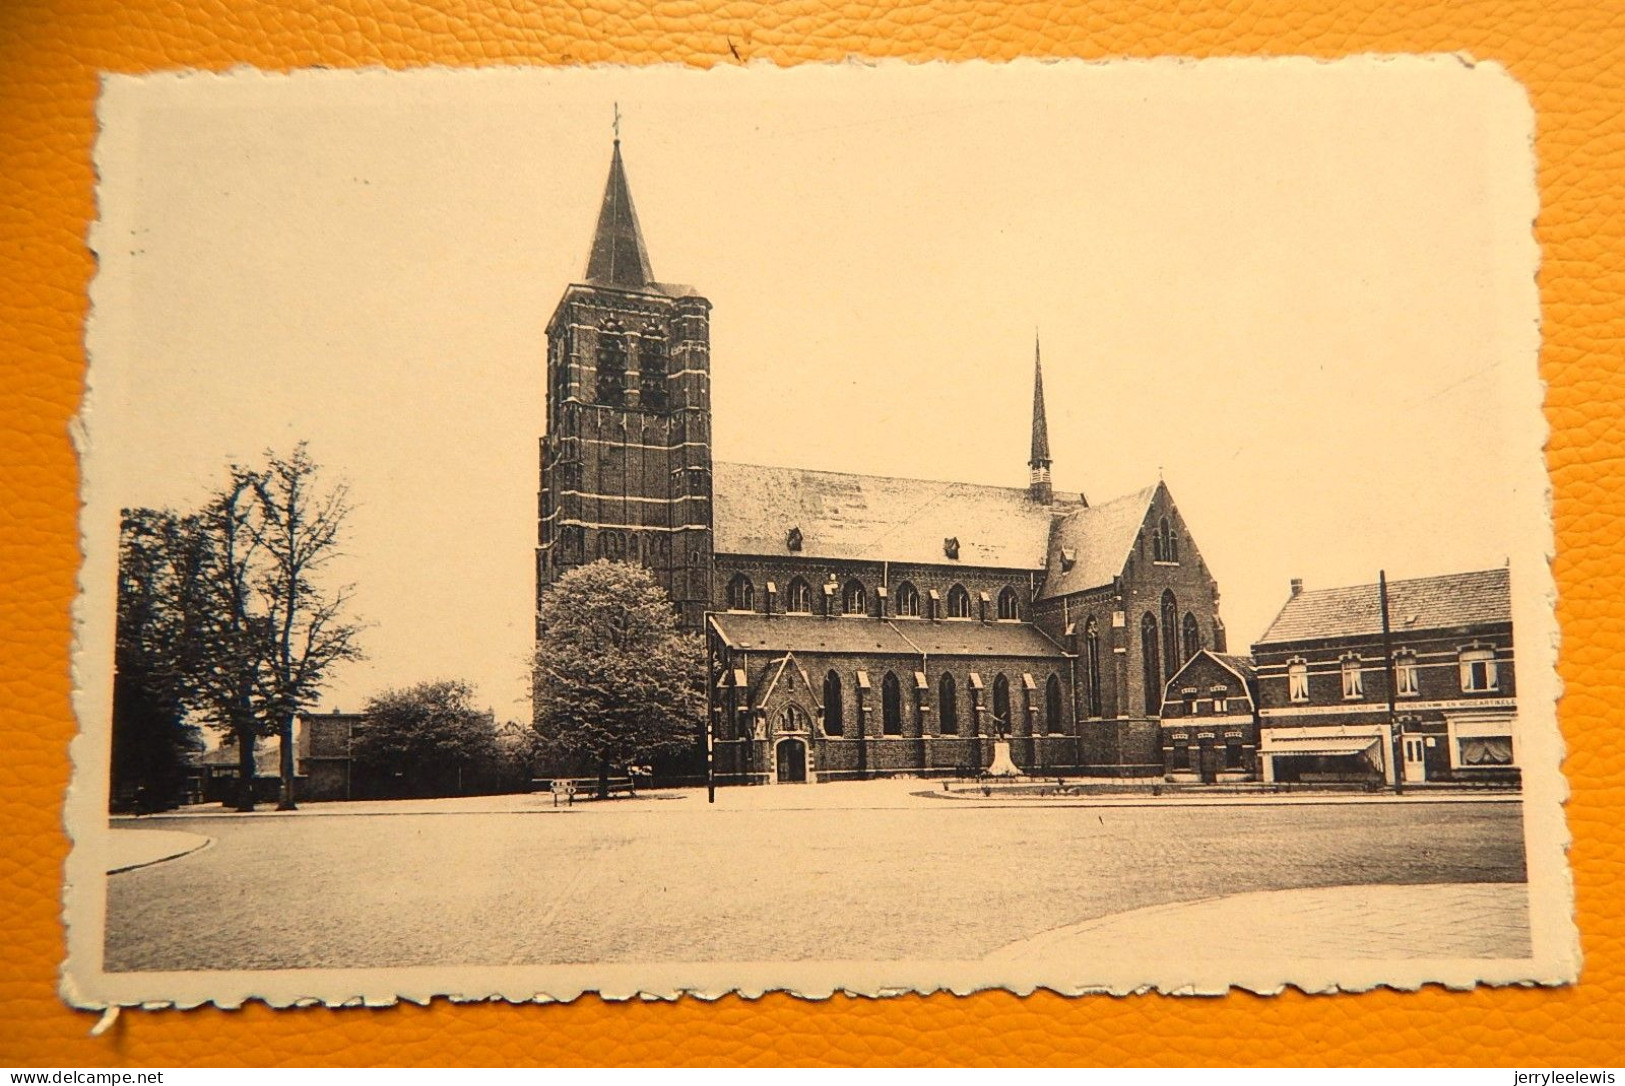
column 428, row 737
column 614, row 680
column 162, row 560
column 244, row 633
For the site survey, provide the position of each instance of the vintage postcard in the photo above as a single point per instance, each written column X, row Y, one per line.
column 852, row 528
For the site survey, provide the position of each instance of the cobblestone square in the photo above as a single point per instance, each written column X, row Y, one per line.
column 878, row 870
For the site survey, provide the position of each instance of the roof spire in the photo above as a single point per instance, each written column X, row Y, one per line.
column 618, row 258
column 1039, row 488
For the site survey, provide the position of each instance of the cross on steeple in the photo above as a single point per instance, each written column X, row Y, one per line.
column 617, row 124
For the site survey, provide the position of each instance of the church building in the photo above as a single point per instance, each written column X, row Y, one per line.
column 857, row 625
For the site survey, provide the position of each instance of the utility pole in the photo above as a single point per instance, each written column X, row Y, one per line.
column 1394, row 738
column 710, row 700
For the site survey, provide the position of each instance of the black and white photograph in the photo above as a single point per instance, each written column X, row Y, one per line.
column 866, row 528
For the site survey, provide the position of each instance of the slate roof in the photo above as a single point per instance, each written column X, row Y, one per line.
column 1423, row 603
column 618, row 256
column 875, row 518
column 803, row 633
column 1101, row 537
column 1241, row 665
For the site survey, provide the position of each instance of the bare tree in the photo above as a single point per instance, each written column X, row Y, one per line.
column 296, row 527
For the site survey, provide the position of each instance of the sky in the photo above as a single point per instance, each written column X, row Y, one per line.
column 1301, row 293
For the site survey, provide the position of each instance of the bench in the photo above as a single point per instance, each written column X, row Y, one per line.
column 568, row 788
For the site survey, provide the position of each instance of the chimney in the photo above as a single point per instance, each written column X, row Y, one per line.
column 1297, row 586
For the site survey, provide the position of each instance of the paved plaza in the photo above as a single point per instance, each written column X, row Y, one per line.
column 886, row 870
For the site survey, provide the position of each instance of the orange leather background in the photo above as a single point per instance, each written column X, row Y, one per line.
column 1569, row 55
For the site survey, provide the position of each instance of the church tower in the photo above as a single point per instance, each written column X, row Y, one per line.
column 626, row 459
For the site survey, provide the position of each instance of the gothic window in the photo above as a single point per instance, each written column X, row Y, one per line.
column 611, row 365
column 1009, row 604
column 1353, row 677
column 799, row 600
column 891, row 703
column 1297, row 680
column 833, row 724
column 948, row 705
column 1406, row 675
column 1165, row 545
column 1001, row 705
column 1156, row 546
column 1170, row 632
column 853, row 600
column 908, row 601
column 741, row 593
column 1191, row 635
column 1151, row 666
column 652, row 374
column 1091, row 641
column 1478, row 670
column 1052, row 705
column 958, row 602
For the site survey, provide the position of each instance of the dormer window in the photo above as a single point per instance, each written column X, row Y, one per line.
column 950, row 547
column 1069, row 558
column 792, row 539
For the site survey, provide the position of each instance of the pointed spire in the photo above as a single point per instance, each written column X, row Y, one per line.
column 1039, row 489
column 618, row 257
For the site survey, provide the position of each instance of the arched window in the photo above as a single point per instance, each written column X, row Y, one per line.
column 799, row 599
column 958, row 602
column 1191, row 635
column 1009, row 604
column 652, row 374
column 833, row 722
column 1052, row 705
column 1170, row 632
column 908, row 601
column 891, row 706
column 1091, row 648
column 1156, row 544
column 741, row 593
column 611, row 365
column 1001, row 705
column 1166, row 544
column 948, row 705
column 1151, row 666
column 603, row 544
column 853, row 600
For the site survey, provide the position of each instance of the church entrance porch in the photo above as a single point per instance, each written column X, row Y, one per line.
column 790, row 762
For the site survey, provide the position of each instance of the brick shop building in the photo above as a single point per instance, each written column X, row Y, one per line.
column 1210, row 720
column 1323, row 681
column 857, row 625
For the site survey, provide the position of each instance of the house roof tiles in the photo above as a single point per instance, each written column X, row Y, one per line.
column 1423, row 603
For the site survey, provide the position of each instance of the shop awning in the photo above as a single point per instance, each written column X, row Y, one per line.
column 1328, row 745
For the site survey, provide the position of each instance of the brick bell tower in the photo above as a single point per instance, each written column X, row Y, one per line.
column 626, row 459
